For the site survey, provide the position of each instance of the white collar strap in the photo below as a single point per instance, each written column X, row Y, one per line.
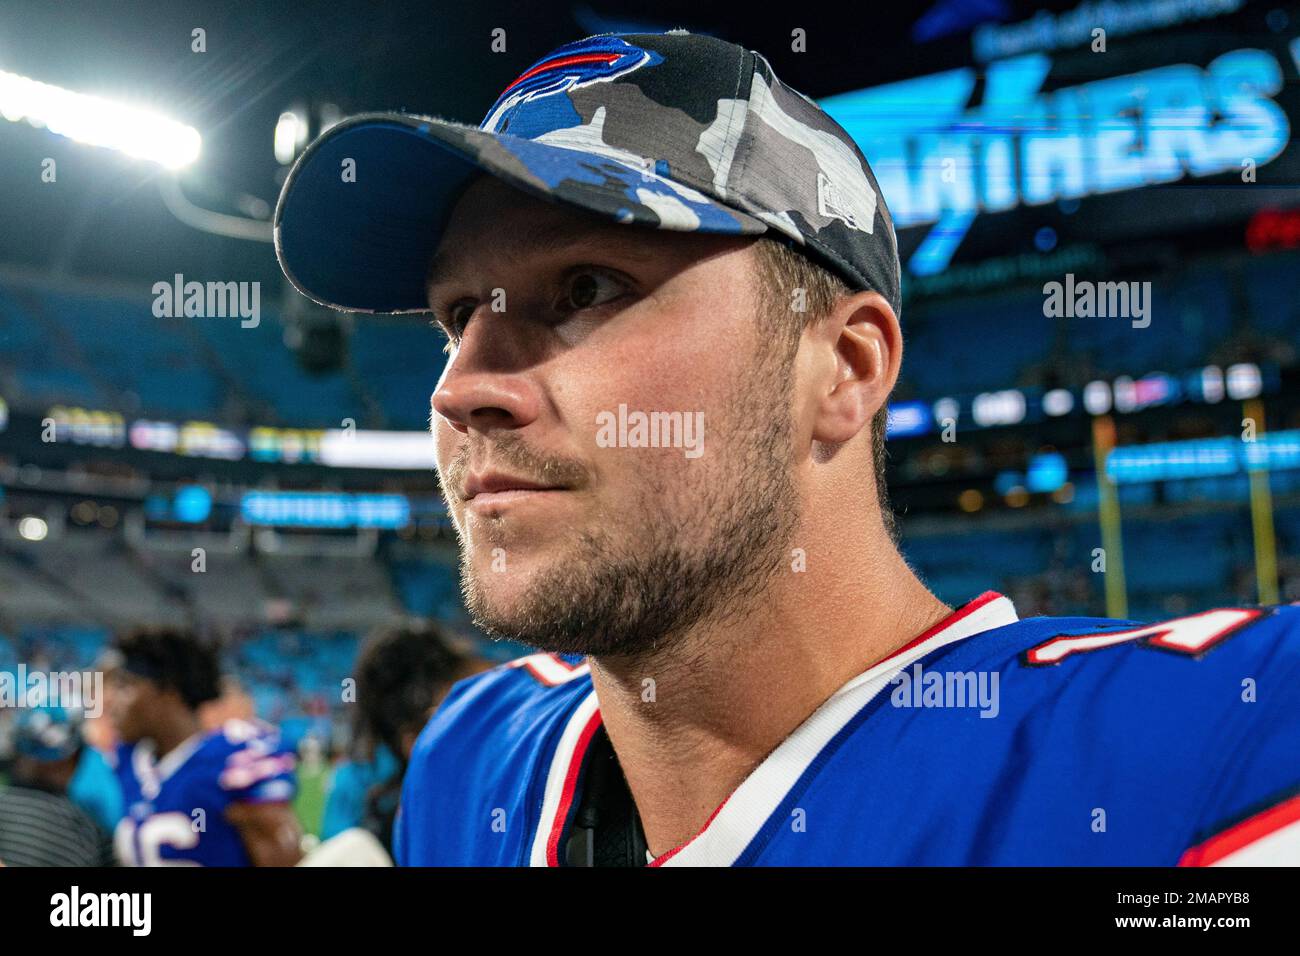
column 562, row 782
column 152, row 773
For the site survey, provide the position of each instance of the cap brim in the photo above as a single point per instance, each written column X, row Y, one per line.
column 363, row 209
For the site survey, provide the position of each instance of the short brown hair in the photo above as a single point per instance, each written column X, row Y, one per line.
column 781, row 270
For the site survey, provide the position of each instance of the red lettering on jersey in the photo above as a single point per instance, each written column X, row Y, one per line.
column 1192, row 635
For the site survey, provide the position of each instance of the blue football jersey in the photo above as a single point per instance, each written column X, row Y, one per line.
column 988, row 740
column 175, row 807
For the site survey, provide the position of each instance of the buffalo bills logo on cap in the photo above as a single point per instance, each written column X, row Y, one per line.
column 594, row 60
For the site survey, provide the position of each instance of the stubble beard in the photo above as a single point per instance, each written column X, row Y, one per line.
column 700, row 551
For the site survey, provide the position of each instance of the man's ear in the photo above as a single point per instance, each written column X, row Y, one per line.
column 860, row 348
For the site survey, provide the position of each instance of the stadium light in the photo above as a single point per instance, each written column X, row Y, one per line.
column 98, row 122
column 33, row 528
column 1058, row 402
column 290, row 136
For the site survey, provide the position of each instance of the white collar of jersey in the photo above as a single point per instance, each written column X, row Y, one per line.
column 735, row 824
column 151, row 773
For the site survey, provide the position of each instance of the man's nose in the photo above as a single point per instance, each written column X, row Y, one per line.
column 488, row 382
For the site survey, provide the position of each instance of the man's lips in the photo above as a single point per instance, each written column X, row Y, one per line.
column 496, row 486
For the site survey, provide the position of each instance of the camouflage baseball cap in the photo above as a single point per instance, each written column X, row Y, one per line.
column 673, row 131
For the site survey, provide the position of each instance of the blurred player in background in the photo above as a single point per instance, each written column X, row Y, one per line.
column 403, row 672
column 40, row 823
column 211, row 798
column 744, row 668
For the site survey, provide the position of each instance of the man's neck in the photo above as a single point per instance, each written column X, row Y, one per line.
column 691, row 723
column 172, row 733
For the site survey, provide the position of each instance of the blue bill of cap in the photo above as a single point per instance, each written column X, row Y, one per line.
column 363, row 209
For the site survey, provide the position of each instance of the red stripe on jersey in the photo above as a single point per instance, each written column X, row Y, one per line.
column 964, row 611
column 661, row 860
column 1248, row 831
column 570, row 785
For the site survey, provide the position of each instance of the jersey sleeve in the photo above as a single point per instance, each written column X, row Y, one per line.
column 469, row 789
column 256, row 768
column 1252, row 815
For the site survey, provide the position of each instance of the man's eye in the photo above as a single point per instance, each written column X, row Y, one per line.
column 454, row 319
column 588, row 289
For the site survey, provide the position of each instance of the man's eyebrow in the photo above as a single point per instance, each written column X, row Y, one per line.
column 555, row 238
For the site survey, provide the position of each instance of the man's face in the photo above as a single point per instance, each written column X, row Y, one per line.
column 132, row 701
column 572, row 539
